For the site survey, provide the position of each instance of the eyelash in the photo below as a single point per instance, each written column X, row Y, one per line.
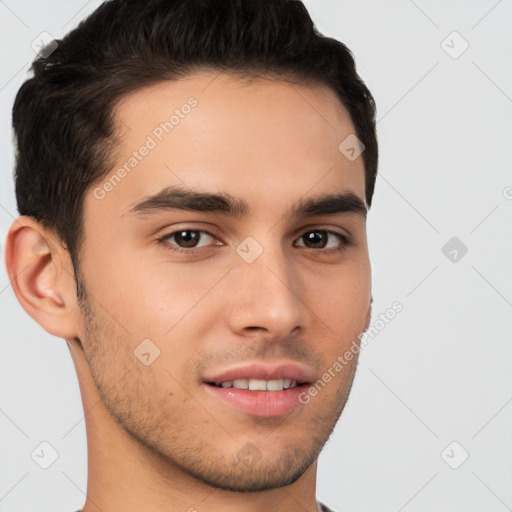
column 346, row 242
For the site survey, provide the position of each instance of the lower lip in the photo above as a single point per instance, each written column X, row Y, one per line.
column 259, row 403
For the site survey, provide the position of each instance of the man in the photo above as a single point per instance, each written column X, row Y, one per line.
column 193, row 178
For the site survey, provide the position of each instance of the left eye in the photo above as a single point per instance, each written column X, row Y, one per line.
column 318, row 238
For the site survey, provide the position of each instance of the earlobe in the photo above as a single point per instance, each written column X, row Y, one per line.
column 40, row 276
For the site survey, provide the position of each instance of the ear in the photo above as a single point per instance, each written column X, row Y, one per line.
column 368, row 315
column 41, row 275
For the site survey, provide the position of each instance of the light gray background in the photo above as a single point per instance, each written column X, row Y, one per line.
column 441, row 371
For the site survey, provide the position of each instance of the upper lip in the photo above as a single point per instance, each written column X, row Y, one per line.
column 276, row 371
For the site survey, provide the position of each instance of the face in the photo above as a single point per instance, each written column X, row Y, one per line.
column 259, row 282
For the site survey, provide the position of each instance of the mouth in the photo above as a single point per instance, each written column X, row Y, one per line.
column 260, row 390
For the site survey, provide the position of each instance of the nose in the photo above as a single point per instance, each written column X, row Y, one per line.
column 268, row 297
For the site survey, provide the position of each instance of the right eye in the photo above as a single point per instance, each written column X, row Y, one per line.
column 186, row 240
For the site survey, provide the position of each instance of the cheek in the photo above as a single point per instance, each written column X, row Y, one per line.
column 166, row 300
column 340, row 297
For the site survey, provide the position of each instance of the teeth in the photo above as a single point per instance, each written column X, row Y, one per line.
column 275, row 385
column 241, row 384
column 259, row 384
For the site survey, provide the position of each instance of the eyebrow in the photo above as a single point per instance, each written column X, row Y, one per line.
column 180, row 198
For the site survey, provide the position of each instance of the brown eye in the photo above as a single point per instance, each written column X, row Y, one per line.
column 315, row 239
column 319, row 239
column 187, row 238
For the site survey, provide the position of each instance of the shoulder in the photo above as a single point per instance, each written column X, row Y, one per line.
column 323, row 508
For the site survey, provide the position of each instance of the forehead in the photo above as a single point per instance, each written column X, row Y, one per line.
column 217, row 132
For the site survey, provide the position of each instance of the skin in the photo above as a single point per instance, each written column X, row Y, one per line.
column 156, row 439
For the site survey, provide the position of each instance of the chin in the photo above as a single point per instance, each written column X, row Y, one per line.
column 254, row 472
